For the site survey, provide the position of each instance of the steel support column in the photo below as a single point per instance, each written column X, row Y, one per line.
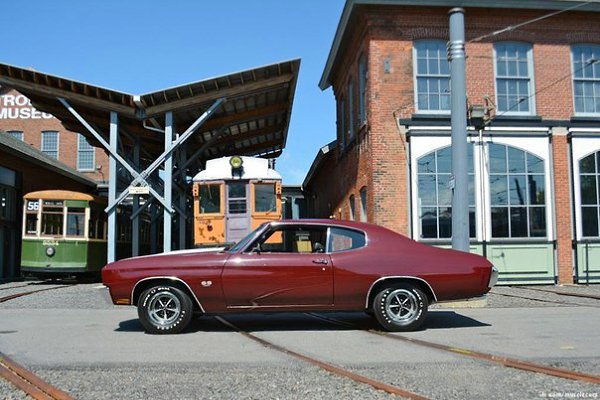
column 168, row 182
column 112, row 188
column 182, row 199
column 135, row 223
column 460, row 194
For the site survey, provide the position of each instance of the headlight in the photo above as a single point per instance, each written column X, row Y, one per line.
column 50, row 251
column 493, row 277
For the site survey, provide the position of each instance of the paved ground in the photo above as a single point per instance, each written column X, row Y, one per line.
column 92, row 350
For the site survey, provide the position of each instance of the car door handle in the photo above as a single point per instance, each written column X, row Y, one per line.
column 320, row 261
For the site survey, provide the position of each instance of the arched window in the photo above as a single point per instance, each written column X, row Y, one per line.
column 589, row 173
column 352, row 207
column 435, row 195
column 517, row 193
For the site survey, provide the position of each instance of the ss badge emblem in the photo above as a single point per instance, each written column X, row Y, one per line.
column 206, row 283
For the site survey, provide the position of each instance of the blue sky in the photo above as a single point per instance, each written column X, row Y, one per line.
column 141, row 46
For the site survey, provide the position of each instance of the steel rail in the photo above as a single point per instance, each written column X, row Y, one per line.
column 14, row 287
column 28, row 382
column 16, row 295
column 326, row 366
column 505, row 361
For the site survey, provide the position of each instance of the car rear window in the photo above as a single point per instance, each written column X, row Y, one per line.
column 341, row 239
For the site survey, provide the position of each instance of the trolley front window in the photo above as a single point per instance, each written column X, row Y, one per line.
column 75, row 221
column 52, row 218
column 264, row 197
column 210, row 199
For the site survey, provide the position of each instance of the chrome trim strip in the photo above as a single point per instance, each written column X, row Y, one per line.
column 493, row 277
column 394, row 277
column 172, row 278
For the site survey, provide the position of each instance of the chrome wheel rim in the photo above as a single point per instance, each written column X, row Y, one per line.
column 164, row 308
column 401, row 305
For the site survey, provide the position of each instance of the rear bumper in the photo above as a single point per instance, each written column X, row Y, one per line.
column 105, row 292
column 493, row 277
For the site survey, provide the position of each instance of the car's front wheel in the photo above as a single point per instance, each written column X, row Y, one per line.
column 164, row 309
column 400, row 307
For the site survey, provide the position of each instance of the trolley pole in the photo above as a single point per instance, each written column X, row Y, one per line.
column 458, row 87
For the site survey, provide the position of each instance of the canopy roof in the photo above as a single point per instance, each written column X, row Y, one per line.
column 62, row 195
column 254, row 120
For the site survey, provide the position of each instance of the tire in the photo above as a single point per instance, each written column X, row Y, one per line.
column 396, row 317
column 164, row 309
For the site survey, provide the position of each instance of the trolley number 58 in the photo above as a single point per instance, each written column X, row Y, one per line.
column 33, row 205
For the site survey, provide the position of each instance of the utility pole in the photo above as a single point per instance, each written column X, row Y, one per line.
column 458, row 87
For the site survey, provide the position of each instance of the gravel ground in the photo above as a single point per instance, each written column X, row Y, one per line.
column 73, row 296
column 10, row 392
column 502, row 296
column 470, row 380
column 195, row 381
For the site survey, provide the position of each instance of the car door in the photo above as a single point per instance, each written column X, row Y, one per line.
column 285, row 267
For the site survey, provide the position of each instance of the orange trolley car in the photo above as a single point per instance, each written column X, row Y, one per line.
column 233, row 196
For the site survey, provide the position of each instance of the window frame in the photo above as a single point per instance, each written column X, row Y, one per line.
column 574, row 79
column 57, row 144
column 274, row 228
column 352, row 205
column 91, row 150
column 13, row 132
column 531, row 79
column 416, row 75
column 342, row 122
column 254, row 198
column 363, row 76
column 363, row 204
column 350, row 104
column 222, row 205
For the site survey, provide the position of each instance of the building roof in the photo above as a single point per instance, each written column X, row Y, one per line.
column 16, row 147
column 353, row 6
column 253, row 121
column 318, row 161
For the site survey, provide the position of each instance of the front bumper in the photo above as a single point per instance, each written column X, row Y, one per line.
column 493, row 277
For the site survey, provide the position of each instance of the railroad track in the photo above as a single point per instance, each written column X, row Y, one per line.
column 504, row 361
column 21, row 294
column 28, row 382
column 324, row 365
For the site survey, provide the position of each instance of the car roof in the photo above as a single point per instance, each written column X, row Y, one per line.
column 327, row 222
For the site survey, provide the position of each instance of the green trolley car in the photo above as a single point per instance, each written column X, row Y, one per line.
column 64, row 234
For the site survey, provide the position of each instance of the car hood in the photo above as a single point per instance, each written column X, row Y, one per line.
column 174, row 259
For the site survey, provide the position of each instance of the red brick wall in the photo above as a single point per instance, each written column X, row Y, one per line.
column 386, row 34
column 32, row 133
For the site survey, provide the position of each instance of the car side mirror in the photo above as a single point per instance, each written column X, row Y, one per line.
column 256, row 249
column 319, row 248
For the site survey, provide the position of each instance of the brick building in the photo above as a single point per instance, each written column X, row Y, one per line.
column 46, row 133
column 534, row 168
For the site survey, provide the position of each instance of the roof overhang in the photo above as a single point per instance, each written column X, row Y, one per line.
column 317, row 162
column 253, row 121
column 352, row 6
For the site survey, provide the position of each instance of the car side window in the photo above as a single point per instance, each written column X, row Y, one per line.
column 292, row 239
column 341, row 239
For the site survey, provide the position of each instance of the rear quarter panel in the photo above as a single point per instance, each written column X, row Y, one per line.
column 451, row 274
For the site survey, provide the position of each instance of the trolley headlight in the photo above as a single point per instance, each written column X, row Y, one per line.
column 50, row 251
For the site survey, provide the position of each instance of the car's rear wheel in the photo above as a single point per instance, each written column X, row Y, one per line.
column 164, row 309
column 400, row 307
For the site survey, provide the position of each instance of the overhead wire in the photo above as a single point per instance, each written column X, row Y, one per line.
column 511, row 28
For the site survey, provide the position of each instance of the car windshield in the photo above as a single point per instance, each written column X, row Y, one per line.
column 242, row 243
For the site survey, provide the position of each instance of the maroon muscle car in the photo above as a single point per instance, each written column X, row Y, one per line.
column 306, row 265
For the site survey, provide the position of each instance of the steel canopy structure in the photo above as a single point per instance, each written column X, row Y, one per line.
column 173, row 130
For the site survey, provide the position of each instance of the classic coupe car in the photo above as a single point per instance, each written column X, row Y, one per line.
column 307, row 265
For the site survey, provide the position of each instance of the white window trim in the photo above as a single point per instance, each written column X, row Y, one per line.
column 581, row 147
column 532, row 106
column 575, row 113
column 415, row 88
column 57, row 143
column 79, row 137
column 538, row 146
